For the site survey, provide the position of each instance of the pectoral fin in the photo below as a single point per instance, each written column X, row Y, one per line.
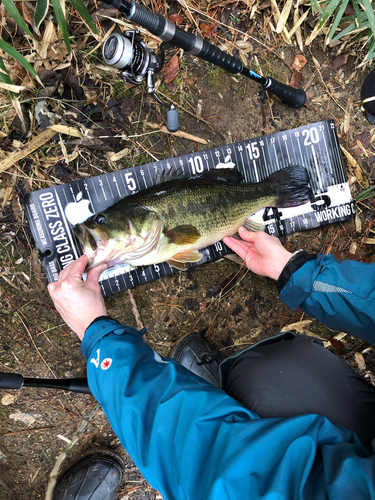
column 252, row 225
column 180, row 259
column 183, row 235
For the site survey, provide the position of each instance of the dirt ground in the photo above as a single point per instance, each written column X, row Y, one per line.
column 228, row 304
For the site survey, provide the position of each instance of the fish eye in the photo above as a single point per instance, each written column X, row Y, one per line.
column 99, row 219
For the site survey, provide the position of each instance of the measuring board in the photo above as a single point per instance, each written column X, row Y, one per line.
column 52, row 212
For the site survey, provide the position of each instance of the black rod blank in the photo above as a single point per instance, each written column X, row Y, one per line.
column 16, row 381
column 169, row 32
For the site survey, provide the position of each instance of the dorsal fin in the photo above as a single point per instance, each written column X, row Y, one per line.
column 221, row 174
column 168, row 175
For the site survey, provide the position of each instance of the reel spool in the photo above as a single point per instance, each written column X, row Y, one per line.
column 138, row 63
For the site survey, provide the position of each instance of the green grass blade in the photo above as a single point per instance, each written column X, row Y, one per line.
column 84, row 13
column 316, row 7
column 5, row 77
column 356, row 8
column 349, row 29
column 328, row 11
column 337, row 20
column 371, row 51
column 366, row 194
column 18, row 57
column 16, row 16
column 370, row 14
column 62, row 23
column 40, row 12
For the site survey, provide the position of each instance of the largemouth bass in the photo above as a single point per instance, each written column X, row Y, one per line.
column 173, row 220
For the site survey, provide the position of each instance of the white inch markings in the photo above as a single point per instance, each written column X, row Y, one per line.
column 101, row 184
column 317, row 168
column 336, row 149
column 109, row 185
column 181, row 165
column 256, row 171
column 86, row 186
column 322, row 130
column 272, row 141
column 243, row 166
column 114, row 180
column 285, row 139
column 144, row 276
column 142, row 172
column 67, row 227
column 196, row 164
column 96, row 193
column 130, row 182
column 265, row 162
column 297, row 135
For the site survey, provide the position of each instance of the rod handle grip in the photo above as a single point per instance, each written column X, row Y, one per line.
column 11, row 381
column 295, row 98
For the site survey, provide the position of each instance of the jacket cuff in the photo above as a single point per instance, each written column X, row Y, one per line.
column 297, row 260
column 98, row 319
column 101, row 327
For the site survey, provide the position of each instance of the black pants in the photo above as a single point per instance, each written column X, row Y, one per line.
column 297, row 376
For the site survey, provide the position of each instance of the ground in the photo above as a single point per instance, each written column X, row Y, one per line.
column 228, row 304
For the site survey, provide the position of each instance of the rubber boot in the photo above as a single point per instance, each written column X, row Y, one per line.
column 199, row 356
column 94, row 476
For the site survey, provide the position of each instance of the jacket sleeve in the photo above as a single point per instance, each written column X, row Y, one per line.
column 340, row 294
column 192, row 441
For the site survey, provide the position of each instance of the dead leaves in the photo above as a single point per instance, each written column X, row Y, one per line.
column 299, row 62
column 172, row 69
column 298, row 79
column 355, row 169
column 176, row 18
column 340, row 61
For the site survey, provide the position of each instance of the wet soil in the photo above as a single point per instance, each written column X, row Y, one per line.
column 226, row 303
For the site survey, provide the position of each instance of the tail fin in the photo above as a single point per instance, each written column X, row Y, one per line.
column 292, row 186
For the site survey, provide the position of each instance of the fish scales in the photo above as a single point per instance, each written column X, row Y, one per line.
column 172, row 221
column 213, row 207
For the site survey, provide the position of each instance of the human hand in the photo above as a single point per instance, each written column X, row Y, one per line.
column 263, row 254
column 78, row 302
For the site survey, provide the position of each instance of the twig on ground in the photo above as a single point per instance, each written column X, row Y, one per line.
column 137, row 316
column 63, row 454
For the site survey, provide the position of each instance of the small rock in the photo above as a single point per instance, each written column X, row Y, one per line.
column 191, row 304
column 213, row 291
column 8, row 399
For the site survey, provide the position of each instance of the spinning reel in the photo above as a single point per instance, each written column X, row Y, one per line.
column 138, row 63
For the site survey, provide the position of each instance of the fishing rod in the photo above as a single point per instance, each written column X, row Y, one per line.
column 130, row 54
column 16, row 381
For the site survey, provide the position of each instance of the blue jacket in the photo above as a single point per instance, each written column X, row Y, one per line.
column 193, row 441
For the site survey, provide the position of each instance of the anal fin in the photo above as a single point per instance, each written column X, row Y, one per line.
column 254, row 226
column 181, row 258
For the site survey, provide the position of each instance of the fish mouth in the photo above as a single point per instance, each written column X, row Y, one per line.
column 93, row 245
column 101, row 249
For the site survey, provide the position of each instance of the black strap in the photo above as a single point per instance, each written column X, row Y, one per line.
column 297, row 260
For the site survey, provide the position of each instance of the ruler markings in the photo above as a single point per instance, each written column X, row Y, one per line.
column 317, row 168
column 265, row 155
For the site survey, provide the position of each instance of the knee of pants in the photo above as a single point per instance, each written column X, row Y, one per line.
column 299, row 376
